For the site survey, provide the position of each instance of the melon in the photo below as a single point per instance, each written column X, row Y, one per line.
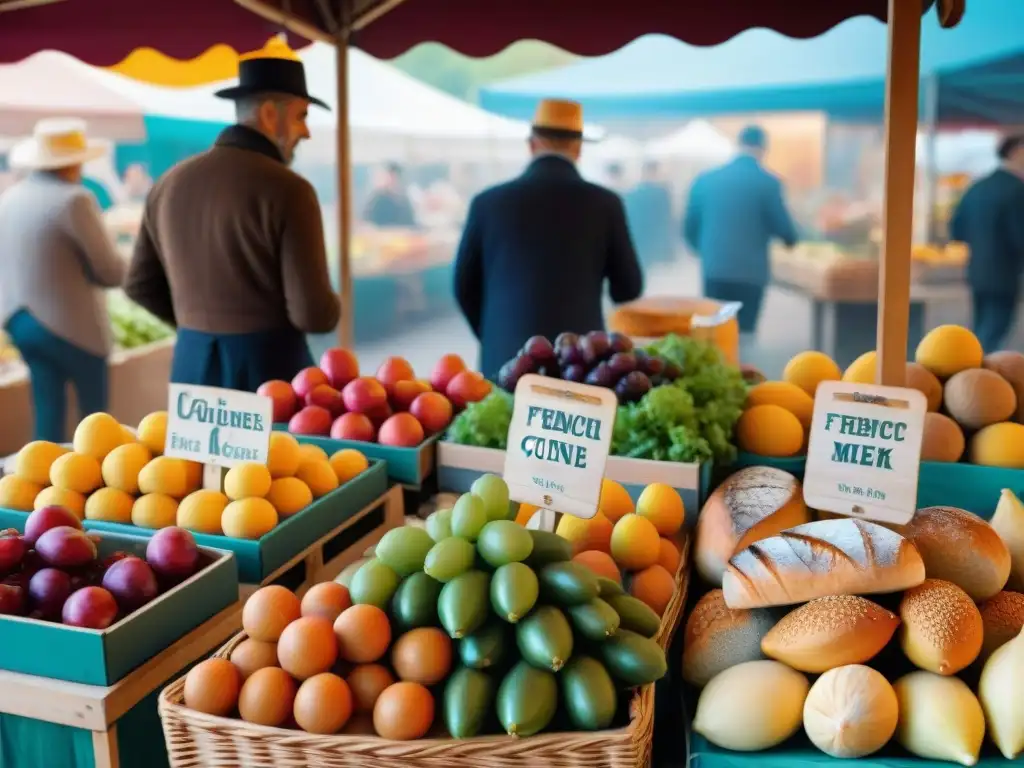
column 1010, row 365
column 949, row 349
column 999, row 445
column 925, row 382
column 943, row 439
column 978, row 397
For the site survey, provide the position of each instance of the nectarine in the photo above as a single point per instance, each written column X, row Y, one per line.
column 340, row 366
column 393, row 370
column 467, row 387
column 327, row 397
column 380, row 414
column 353, row 426
column 445, row 370
column 404, row 392
column 306, row 379
column 364, row 394
column 283, row 396
column 433, row 410
column 311, row 420
column 401, row 430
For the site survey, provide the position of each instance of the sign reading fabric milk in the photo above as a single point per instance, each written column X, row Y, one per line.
column 865, row 451
column 219, row 427
column 558, row 444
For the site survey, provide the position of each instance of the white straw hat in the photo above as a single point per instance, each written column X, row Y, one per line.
column 55, row 143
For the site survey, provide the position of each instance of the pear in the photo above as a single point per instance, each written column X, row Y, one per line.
column 1000, row 695
column 1008, row 522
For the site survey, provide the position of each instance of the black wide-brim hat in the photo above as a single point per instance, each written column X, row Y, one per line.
column 270, row 75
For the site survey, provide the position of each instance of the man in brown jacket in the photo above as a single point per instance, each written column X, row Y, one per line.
column 231, row 247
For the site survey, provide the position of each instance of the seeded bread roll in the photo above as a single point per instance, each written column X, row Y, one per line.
column 830, row 632
column 960, row 547
column 1003, row 619
column 942, row 628
column 752, row 504
column 717, row 637
column 826, row 557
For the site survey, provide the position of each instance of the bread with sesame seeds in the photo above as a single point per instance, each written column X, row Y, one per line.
column 830, row 632
column 717, row 637
column 752, row 504
column 942, row 628
column 1003, row 619
column 826, row 557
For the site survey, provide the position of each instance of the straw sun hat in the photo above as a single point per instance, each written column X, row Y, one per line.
column 56, row 143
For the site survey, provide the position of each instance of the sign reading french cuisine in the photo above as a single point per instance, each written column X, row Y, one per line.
column 220, row 427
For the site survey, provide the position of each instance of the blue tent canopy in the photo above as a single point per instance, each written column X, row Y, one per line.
column 978, row 68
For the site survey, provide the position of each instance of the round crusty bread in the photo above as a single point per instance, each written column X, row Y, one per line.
column 830, row 632
column 717, row 637
column 752, row 504
column 1003, row 619
column 960, row 547
column 850, row 711
column 942, row 628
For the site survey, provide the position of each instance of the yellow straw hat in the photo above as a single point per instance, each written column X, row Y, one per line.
column 559, row 118
column 56, row 143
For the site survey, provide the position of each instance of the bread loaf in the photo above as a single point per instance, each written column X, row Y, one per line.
column 850, row 711
column 940, row 719
column 1008, row 522
column 1002, row 699
column 751, row 706
column 826, row 557
column 1003, row 618
column 830, row 632
column 942, row 629
column 960, row 547
column 717, row 637
column 752, row 504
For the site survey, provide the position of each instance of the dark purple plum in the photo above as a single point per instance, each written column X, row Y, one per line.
column 539, row 348
column 566, row 339
column 507, row 378
column 619, row 342
column 652, row 366
column 594, row 347
column 657, row 381
column 574, row 373
column 570, row 356
column 48, row 589
column 672, row 371
column 622, row 363
column 601, row 376
column 632, row 387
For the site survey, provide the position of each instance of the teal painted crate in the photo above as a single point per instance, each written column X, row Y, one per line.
column 459, row 465
column 102, row 657
column 408, row 466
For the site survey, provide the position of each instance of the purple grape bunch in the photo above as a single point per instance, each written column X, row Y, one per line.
column 598, row 358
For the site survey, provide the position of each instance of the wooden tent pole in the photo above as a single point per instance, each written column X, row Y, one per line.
column 901, row 95
column 346, row 335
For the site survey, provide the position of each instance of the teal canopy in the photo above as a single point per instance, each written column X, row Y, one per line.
column 977, row 69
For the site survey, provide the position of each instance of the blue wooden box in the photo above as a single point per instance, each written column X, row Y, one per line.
column 102, row 657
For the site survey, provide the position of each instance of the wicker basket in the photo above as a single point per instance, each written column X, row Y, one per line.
column 195, row 740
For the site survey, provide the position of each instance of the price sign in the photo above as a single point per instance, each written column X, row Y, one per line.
column 218, row 428
column 865, row 451
column 558, row 444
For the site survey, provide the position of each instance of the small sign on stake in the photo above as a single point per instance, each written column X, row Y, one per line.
column 865, row 451
column 558, row 444
column 218, row 428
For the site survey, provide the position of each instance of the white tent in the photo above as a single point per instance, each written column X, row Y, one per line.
column 697, row 140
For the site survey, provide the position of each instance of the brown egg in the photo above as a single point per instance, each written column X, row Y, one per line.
column 422, row 656
column 267, row 697
column 268, row 611
column 363, row 632
column 250, row 655
column 327, row 600
column 212, row 687
column 404, row 711
column 323, row 704
column 307, row 647
column 366, row 682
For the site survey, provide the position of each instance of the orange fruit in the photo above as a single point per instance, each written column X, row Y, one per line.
column 363, row 632
column 525, row 512
column 268, row 611
column 635, row 543
column 601, row 563
column 615, row 500
column 653, row 586
column 668, row 556
column 592, row 534
column 403, row 711
column 663, row 506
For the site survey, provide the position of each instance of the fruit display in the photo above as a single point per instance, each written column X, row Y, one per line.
column 690, row 419
column 117, row 475
column 975, row 401
column 854, row 633
column 54, row 572
column 392, row 407
column 132, row 325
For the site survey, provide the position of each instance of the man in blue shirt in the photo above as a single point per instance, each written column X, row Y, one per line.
column 732, row 215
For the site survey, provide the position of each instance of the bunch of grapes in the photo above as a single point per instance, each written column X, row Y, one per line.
column 597, row 358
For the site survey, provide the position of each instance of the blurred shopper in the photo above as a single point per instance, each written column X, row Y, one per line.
column 55, row 260
column 732, row 215
column 231, row 248
column 649, row 211
column 536, row 251
column 990, row 220
column 389, row 205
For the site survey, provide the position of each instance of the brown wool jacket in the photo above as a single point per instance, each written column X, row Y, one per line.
column 232, row 241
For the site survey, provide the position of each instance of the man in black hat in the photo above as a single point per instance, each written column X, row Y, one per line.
column 231, row 247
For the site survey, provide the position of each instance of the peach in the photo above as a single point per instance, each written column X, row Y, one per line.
column 327, row 397
column 433, row 410
column 393, row 370
column 380, row 414
column 311, row 420
column 340, row 365
column 283, row 396
column 445, row 370
column 306, row 380
column 467, row 387
column 401, row 430
column 404, row 392
column 353, row 426
column 364, row 394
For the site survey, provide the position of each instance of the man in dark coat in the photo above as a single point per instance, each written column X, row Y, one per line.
column 231, row 247
column 536, row 251
column 990, row 220
column 732, row 215
column 389, row 205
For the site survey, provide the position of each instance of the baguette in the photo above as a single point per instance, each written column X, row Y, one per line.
column 826, row 557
